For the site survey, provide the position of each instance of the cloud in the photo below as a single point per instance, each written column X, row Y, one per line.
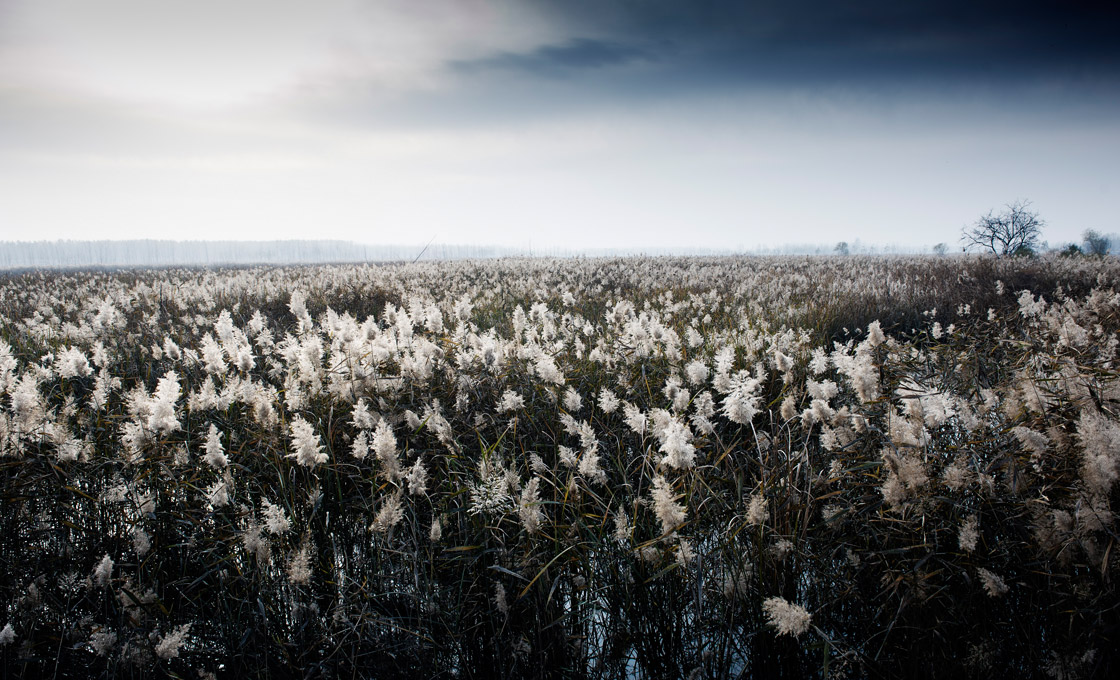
column 810, row 41
column 574, row 56
column 597, row 122
column 208, row 54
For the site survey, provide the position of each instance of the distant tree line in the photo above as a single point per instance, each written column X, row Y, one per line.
column 154, row 253
column 157, row 253
column 16, row 255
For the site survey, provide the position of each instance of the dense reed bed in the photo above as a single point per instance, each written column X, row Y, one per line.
column 646, row 468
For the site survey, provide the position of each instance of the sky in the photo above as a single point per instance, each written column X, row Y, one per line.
column 538, row 124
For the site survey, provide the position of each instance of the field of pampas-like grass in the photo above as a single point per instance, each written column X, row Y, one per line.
column 799, row 467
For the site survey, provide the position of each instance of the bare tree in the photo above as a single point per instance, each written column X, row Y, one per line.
column 1014, row 231
column 841, row 248
column 1096, row 243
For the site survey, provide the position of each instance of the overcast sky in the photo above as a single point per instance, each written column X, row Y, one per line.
column 556, row 123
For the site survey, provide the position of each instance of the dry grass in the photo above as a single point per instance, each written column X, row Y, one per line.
column 847, row 500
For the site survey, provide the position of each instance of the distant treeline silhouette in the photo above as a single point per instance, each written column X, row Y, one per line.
column 156, row 253
column 166, row 253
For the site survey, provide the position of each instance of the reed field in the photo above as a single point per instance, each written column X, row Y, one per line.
column 797, row 467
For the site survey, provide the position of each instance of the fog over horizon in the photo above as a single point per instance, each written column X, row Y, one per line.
column 555, row 124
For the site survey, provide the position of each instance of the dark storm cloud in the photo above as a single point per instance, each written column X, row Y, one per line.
column 1036, row 61
column 579, row 54
column 793, row 40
